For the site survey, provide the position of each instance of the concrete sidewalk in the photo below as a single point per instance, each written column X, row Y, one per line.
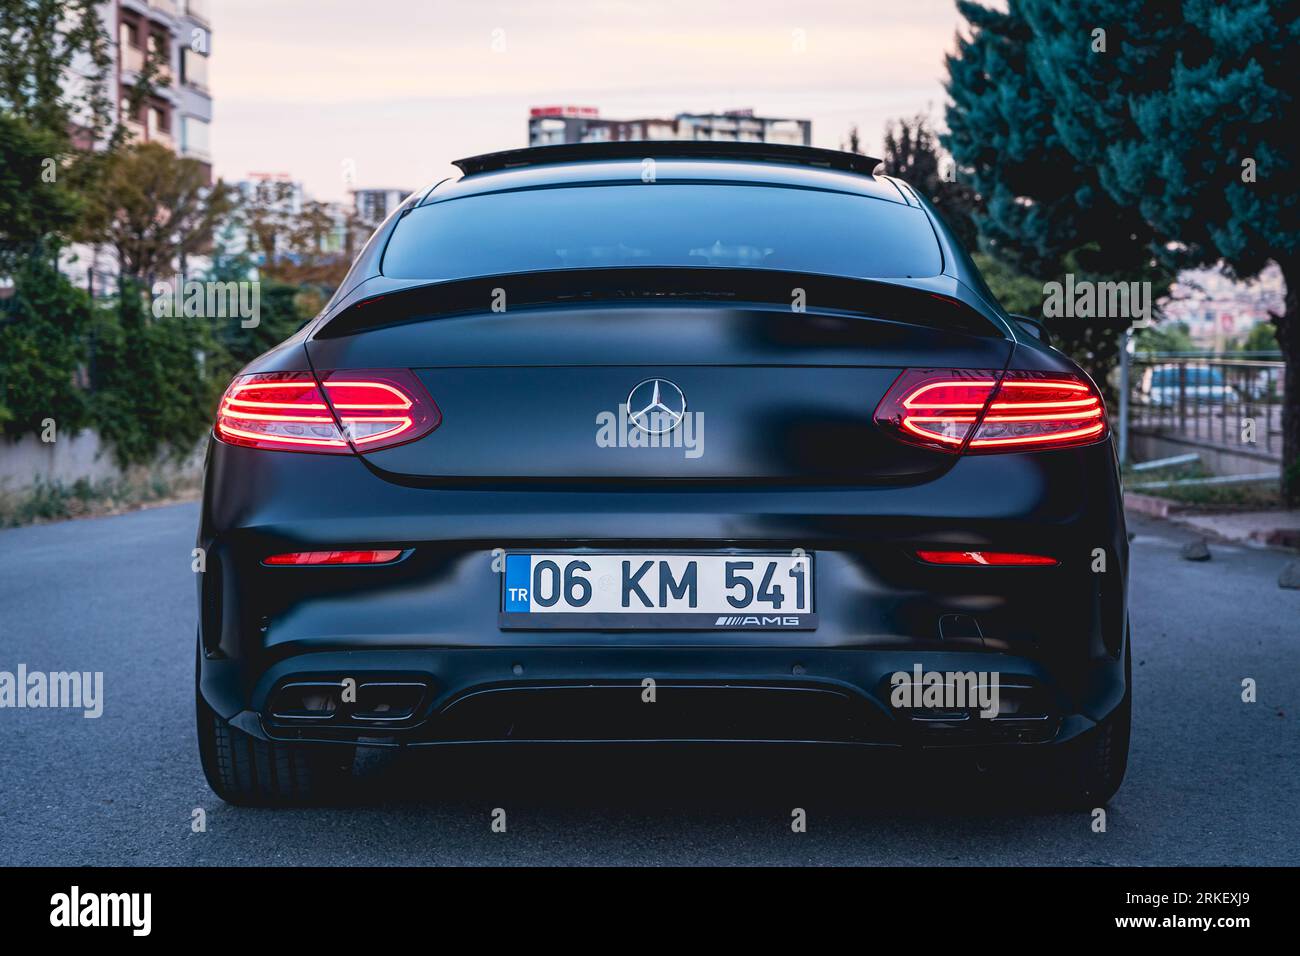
column 1260, row 529
column 1271, row 529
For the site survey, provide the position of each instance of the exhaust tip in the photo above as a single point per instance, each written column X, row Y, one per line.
column 375, row 701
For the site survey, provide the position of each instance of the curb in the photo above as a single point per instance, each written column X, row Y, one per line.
column 1151, row 505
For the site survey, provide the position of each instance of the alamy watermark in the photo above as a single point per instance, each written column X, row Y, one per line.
column 74, row 690
column 651, row 429
column 1085, row 299
column 946, row 690
column 126, row 910
column 193, row 299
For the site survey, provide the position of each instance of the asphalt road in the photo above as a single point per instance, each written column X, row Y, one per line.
column 1212, row 780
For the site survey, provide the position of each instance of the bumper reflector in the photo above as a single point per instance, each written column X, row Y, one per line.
column 333, row 557
column 1004, row 559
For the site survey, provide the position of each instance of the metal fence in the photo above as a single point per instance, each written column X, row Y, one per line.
column 1212, row 401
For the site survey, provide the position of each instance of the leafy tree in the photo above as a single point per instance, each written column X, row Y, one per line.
column 41, row 321
column 1167, row 337
column 35, row 206
column 1188, row 117
column 154, row 208
column 56, row 75
column 1262, row 338
column 40, row 43
column 66, row 174
column 854, row 142
column 294, row 240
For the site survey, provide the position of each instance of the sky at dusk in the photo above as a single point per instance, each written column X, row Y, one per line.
column 396, row 89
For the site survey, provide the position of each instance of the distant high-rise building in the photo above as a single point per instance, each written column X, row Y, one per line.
column 373, row 205
column 550, row 125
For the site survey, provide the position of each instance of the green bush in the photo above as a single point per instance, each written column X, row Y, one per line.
column 153, row 383
column 153, row 388
column 43, row 330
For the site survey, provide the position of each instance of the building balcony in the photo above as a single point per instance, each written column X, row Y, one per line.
column 133, row 66
column 163, row 11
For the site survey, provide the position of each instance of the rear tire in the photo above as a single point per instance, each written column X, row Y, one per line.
column 1095, row 765
column 1101, row 760
column 245, row 771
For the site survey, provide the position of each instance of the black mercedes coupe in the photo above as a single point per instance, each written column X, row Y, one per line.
column 661, row 442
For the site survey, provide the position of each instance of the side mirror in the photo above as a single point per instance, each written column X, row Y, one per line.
column 1034, row 327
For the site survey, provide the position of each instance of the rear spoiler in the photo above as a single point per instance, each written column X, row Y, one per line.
column 814, row 293
column 667, row 149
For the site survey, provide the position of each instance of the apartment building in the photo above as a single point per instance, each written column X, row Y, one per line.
column 549, row 125
column 178, row 114
column 1217, row 309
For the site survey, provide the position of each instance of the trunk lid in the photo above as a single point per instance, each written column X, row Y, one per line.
column 542, row 392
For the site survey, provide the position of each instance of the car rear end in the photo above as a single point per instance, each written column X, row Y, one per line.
column 433, row 516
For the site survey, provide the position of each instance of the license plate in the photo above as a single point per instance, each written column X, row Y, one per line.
column 658, row 591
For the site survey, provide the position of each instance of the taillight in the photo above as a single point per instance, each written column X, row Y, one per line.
column 300, row 558
column 289, row 411
column 1037, row 410
column 1004, row 559
column 982, row 411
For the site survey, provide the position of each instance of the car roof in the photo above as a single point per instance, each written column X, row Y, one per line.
column 686, row 161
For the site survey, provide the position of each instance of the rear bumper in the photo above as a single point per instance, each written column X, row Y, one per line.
column 659, row 694
column 1055, row 636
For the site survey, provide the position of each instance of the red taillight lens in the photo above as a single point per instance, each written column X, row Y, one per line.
column 936, row 408
column 1004, row 559
column 290, row 411
column 333, row 557
column 1040, row 411
column 983, row 411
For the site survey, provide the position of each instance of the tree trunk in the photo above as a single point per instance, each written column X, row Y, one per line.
column 1288, row 338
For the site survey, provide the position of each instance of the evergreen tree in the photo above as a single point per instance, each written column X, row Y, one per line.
column 1188, row 115
column 1040, row 209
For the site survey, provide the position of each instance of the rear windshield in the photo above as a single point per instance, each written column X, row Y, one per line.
column 663, row 224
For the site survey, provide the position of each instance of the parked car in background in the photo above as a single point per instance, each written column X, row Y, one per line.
column 1201, row 384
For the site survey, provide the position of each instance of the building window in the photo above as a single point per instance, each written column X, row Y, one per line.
column 194, row 68
column 157, row 121
column 194, row 138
